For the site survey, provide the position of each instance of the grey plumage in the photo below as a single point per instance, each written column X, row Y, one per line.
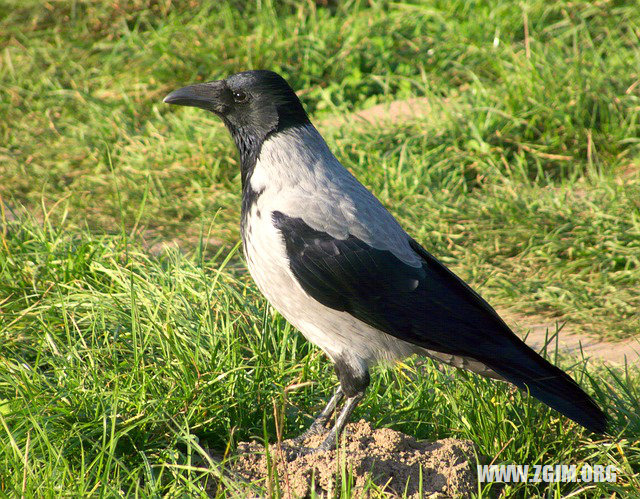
column 338, row 266
column 298, row 175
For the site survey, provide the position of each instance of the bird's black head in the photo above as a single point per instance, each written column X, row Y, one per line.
column 253, row 105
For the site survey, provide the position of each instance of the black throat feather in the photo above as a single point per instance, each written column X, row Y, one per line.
column 249, row 145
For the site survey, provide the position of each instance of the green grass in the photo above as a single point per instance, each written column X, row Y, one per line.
column 120, row 364
column 121, row 368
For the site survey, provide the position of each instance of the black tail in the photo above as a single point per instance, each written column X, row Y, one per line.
column 529, row 371
column 458, row 321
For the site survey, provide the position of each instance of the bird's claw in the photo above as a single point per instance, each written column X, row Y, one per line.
column 293, row 453
column 316, row 428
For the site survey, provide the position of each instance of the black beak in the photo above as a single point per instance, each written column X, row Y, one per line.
column 213, row 96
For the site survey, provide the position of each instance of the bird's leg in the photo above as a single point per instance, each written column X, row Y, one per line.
column 330, row 441
column 354, row 380
column 319, row 424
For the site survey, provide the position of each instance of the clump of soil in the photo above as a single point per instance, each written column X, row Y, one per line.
column 391, row 460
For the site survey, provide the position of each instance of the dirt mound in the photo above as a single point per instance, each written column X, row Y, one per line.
column 391, row 460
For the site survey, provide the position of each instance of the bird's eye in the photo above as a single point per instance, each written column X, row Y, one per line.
column 239, row 96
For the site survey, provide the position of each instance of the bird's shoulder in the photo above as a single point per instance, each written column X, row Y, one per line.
column 297, row 175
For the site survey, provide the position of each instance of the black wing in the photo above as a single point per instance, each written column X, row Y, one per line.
column 428, row 306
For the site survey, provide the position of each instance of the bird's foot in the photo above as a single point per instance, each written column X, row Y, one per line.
column 299, row 450
column 319, row 425
column 294, row 452
column 316, row 428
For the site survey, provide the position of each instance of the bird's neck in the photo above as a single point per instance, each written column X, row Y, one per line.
column 290, row 142
column 296, row 158
column 249, row 141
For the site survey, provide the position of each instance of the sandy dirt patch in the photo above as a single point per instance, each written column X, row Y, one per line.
column 387, row 113
column 391, row 460
column 395, row 111
column 539, row 334
column 591, row 348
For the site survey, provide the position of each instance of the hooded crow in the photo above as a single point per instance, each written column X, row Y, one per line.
column 338, row 266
